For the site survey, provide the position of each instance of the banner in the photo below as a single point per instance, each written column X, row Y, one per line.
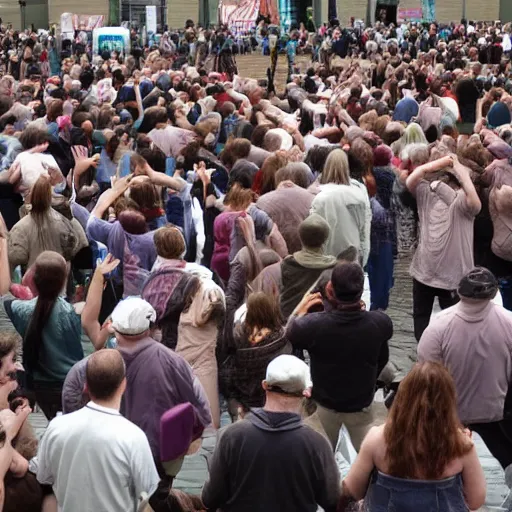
column 71, row 22
column 240, row 17
column 414, row 14
column 151, row 18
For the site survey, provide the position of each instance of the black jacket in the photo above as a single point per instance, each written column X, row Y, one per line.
column 348, row 350
column 272, row 462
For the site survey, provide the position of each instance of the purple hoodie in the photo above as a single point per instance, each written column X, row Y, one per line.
column 157, row 380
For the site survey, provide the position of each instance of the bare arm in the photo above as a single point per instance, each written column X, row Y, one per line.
column 5, row 269
column 138, row 98
column 463, row 174
column 419, row 173
column 19, row 465
column 323, row 133
column 473, row 480
column 356, row 482
column 110, row 195
column 91, row 311
column 6, row 455
column 160, row 179
column 14, row 174
column 299, row 140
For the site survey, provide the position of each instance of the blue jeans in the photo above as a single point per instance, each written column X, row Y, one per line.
column 380, row 274
column 390, row 494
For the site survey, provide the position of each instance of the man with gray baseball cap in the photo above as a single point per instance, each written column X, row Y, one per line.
column 473, row 339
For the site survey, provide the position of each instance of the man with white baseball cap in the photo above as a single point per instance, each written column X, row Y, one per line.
column 157, row 379
column 270, row 460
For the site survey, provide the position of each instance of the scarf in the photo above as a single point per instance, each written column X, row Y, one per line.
column 314, row 258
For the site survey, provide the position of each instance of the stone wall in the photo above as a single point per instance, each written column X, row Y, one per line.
column 178, row 11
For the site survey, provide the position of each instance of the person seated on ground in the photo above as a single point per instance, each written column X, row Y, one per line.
column 421, row 457
column 114, row 474
column 345, row 374
column 283, row 460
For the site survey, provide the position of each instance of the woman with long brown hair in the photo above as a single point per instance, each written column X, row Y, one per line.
column 44, row 229
column 51, row 331
column 253, row 343
column 421, row 459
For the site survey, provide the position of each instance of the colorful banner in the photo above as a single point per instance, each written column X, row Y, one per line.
column 414, row 14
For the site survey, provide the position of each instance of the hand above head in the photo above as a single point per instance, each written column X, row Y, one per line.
column 122, row 184
column 107, row 265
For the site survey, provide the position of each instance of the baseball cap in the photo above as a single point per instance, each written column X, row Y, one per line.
column 288, row 374
column 133, row 316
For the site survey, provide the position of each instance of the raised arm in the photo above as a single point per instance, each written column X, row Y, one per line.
column 110, row 195
column 419, row 173
column 82, row 163
column 138, row 98
column 463, row 174
column 91, row 311
column 159, row 178
column 5, row 270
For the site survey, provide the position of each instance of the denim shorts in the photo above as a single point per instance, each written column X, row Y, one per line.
column 390, row 494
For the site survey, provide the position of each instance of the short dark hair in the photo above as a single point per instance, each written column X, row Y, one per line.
column 104, row 373
column 348, row 281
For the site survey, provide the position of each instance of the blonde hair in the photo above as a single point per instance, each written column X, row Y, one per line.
column 336, row 168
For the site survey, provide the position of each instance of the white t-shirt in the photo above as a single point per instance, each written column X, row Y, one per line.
column 32, row 166
column 97, row 461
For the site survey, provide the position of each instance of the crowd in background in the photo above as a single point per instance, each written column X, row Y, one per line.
column 177, row 241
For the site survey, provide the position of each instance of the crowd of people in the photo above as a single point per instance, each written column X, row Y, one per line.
column 178, row 241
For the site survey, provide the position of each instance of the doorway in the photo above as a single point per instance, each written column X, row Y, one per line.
column 385, row 13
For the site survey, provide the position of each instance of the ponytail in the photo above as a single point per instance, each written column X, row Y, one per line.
column 33, row 335
column 50, row 273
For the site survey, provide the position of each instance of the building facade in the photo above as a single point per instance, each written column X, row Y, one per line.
column 44, row 12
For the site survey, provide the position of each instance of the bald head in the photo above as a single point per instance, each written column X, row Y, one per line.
column 105, row 373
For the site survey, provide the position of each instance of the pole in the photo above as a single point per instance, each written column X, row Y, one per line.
column 23, row 5
column 162, row 15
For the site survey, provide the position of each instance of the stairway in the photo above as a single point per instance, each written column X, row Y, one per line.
column 255, row 66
